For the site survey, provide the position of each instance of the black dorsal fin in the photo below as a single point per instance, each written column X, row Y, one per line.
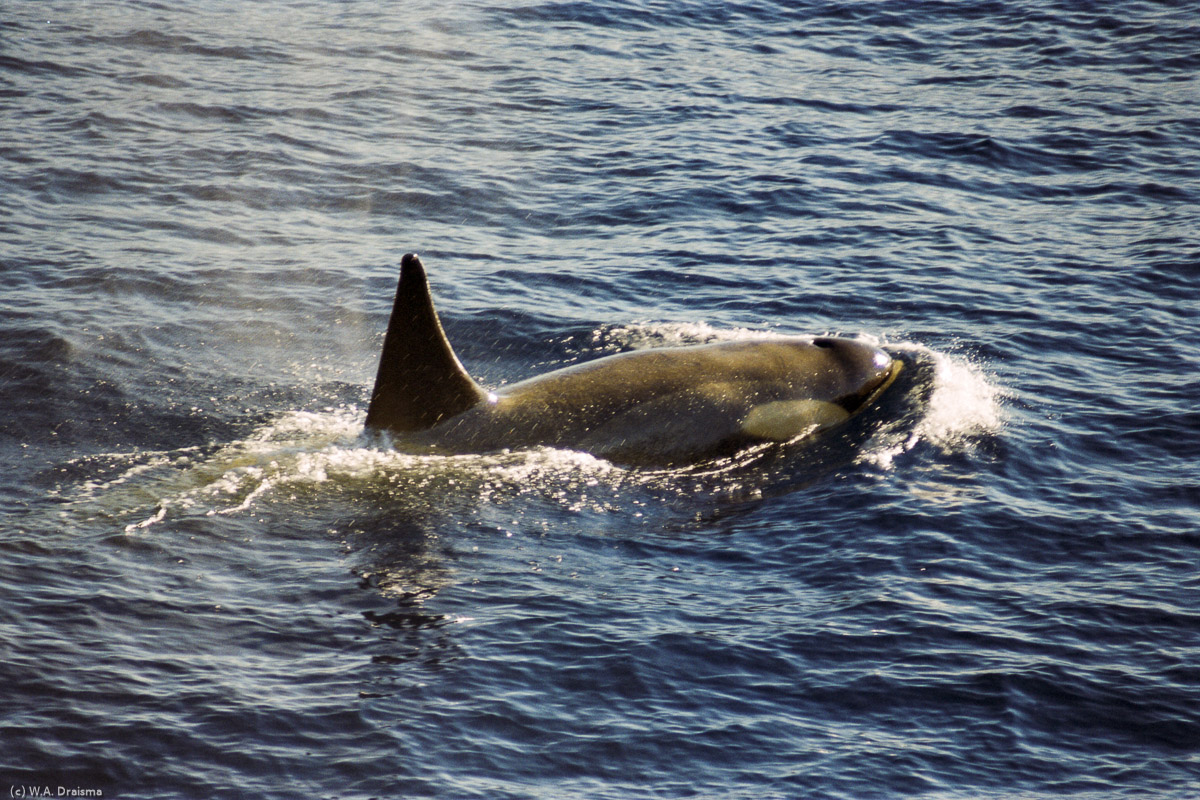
column 420, row 381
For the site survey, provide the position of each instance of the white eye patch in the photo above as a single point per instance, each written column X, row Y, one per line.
column 788, row 419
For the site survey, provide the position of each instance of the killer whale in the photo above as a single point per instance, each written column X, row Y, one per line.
column 654, row 407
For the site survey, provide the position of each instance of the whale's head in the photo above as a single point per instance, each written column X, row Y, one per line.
column 857, row 371
column 827, row 380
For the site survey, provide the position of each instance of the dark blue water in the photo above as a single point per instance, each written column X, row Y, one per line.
column 212, row 586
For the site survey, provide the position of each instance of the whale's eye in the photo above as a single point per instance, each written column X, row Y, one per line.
column 823, row 342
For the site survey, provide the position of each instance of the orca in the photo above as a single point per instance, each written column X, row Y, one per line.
column 653, row 407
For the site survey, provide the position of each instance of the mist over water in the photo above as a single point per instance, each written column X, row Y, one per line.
column 214, row 583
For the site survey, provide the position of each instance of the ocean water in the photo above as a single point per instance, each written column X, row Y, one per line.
column 213, row 585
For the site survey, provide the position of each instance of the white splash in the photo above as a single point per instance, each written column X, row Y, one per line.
column 302, row 449
column 962, row 404
column 300, row 446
